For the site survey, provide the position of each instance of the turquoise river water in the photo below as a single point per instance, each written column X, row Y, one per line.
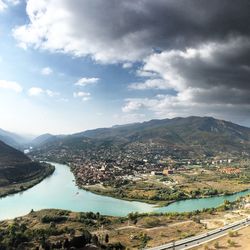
column 59, row 191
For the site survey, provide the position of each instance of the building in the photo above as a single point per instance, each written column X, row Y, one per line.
column 167, row 171
column 156, row 173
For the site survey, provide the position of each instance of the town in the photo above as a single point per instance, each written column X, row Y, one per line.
column 151, row 168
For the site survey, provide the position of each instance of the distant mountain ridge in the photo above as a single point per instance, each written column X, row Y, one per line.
column 42, row 139
column 12, row 139
column 196, row 135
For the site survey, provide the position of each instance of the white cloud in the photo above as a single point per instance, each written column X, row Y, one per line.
column 81, row 94
column 85, row 96
column 46, row 71
column 51, row 93
column 191, row 101
column 3, row 6
column 162, row 105
column 63, row 100
column 14, row 2
column 36, row 91
column 150, row 84
column 207, row 80
column 54, row 26
column 4, row 3
column 10, row 85
column 127, row 65
column 145, row 73
column 86, row 81
column 133, row 105
column 129, row 118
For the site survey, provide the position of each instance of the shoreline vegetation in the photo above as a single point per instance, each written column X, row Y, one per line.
column 157, row 203
column 110, row 194
column 14, row 188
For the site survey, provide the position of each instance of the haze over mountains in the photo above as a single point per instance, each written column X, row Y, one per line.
column 12, row 139
column 199, row 135
column 42, row 139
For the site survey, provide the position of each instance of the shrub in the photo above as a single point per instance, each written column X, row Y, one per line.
column 216, row 245
column 151, row 222
column 231, row 243
column 55, row 219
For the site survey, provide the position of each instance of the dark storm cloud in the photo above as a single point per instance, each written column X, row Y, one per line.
column 213, row 73
column 167, row 23
column 128, row 30
column 226, row 64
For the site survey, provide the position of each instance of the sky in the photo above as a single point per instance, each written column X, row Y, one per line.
column 67, row 66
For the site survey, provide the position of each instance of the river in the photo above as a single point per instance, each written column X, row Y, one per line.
column 59, row 191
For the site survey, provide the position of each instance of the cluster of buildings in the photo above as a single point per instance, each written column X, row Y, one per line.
column 112, row 164
column 106, row 171
column 230, row 170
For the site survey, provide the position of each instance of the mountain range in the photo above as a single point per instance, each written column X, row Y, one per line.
column 195, row 135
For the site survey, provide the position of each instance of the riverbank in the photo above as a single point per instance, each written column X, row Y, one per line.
column 162, row 191
column 112, row 192
column 99, row 191
column 28, row 183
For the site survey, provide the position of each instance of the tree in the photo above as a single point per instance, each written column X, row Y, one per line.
column 106, row 238
column 95, row 239
column 144, row 239
column 66, row 244
column 133, row 216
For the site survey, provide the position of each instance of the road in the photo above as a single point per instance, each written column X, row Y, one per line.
column 202, row 238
